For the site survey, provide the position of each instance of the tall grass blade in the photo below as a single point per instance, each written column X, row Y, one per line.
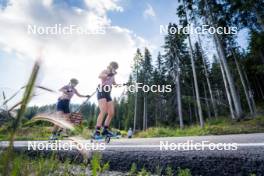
column 9, row 154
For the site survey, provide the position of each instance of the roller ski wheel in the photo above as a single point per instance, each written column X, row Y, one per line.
column 96, row 137
column 53, row 139
column 107, row 139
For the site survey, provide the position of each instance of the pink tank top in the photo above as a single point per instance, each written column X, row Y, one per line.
column 109, row 80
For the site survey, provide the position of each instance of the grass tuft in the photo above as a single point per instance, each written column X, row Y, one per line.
column 212, row 127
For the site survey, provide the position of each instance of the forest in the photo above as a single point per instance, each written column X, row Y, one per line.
column 227, row 84
column 215, row 80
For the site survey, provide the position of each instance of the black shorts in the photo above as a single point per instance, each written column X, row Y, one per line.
column 63, row 105
column 101, row 93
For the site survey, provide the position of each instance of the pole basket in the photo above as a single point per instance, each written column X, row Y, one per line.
column 76, row 118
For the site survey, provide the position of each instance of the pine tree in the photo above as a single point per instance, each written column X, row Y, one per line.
column 147, row 69
column 183, row 14
column 175, row 49
column 137, row 60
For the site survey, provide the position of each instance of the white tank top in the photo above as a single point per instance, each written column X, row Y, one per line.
column 70, row 91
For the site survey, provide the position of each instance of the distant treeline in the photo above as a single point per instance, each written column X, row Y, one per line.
column 228, row 84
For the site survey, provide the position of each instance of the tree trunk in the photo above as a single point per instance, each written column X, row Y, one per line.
column 260, row 86
column 206, row 102
column 259, row 19
column 161, row 107
column 195, row 78
column 156, row 111
column 219, row 99
column 145, row 112
column 195, row 107
column 176, row 75
column 220, row 50
column 227, row 91
column 208, row 80
column 244, row 85
column 200, row 113
column 190, row 112
column 256, row 90
column 261, row 56
column 179, row 103
column 250, row 91
column 237, row 103
column 136, row 105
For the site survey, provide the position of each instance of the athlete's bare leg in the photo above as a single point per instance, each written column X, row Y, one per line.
column 110, row 113
column 103, row 110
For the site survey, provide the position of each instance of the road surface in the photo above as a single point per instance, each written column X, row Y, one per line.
column 241, row 154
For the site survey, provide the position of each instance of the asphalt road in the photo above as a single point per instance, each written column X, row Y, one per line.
column 241, row 154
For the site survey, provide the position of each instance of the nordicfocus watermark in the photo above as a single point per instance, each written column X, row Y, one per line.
column 204, row 29
column 59, row 29
column 191, row 145
column 140, row 87
column 60, row 145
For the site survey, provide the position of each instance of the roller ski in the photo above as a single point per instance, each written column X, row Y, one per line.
column 53, row 138
column 58, row 135
column 106, row 136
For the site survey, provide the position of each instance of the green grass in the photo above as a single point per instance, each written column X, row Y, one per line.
column 184, row 172
column 97, row 166
column 134, row 171
column 23, row 165
column 220, row 126
column 28, row 133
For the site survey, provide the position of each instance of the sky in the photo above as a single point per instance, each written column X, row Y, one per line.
column 127, row 25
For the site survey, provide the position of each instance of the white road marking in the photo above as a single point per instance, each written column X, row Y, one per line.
column 158, row 146
column 25, row 143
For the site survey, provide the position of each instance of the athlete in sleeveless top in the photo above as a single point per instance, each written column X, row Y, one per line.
column 105, row 102
column 63, row 104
